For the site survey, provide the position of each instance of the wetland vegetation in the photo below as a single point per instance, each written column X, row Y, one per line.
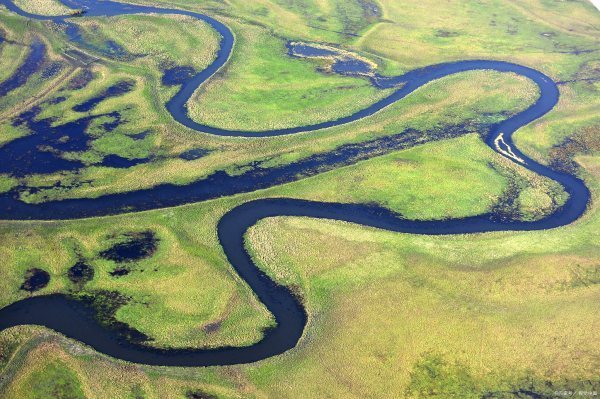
column 495, row 315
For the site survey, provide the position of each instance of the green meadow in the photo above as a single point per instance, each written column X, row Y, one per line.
column 494, row 315
column 283, row 91
column 44, row 7
column 474, row 306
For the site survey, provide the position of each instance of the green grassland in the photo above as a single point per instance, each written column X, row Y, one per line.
column 20, row 35
column 153, row 284
column 44, row 7
column 477, row 105
column 390, row 315
column 429, row 182
column 265, row 62
column 12, row 56
column 559, row 38
column 283, row 91
column 485, row 304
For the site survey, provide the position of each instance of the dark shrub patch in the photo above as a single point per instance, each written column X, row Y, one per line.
column 80, row 273
column 212, row 327
column 120, row 271
column 371, row 10
column 585, row 141
column 81, row 80
column 197, row 394
column 194, row 153
column 35, row 279
column 134, row 246
column 51, row 70
column 446, row 33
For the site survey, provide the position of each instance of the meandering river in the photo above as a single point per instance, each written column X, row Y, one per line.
column 76, row 320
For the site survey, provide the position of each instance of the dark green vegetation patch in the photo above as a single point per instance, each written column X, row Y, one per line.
column 131, row 247
column 55, row 381
column 80, row 273
column 35, row 279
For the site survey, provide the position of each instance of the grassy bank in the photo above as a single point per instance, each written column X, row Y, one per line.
column 557, row 38
column 498, row 315
column 255, row 63
column 44, row 7
column 400, row 300
column 282, row 91
column 476, row 104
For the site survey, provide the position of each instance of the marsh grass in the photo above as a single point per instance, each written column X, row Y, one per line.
column 487, row 303
column 477, row 104
column 156, row 41
column 494, row 305
column 10, row 132
column 7, row 183
column 12, row 55
column 45, row 7
column 263, row 88
column 430, row 182
column 486, row 313
column 490, row 302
